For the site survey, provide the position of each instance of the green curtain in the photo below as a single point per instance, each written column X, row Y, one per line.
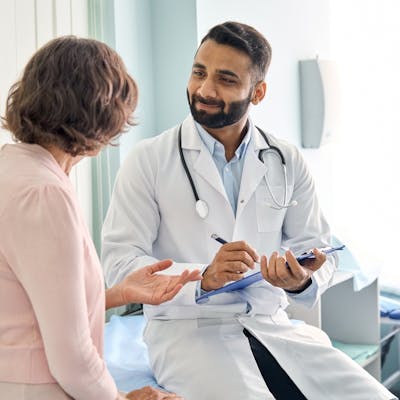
column 106, row 164
column 104, row 169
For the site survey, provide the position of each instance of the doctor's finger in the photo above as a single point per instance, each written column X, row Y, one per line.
column 233, row 276
column 320, row 258
column 242, row 256
column 283, row 272
column 298, row 271
column 311, row 264
column 235, row 267
column 242, row 246
column 295, row 267
column 270, row 271
column 167, row 395
column 264, row 266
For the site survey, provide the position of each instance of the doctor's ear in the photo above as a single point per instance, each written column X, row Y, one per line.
column 259, row 92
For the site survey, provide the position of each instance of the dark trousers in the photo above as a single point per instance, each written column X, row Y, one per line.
column 277, row 380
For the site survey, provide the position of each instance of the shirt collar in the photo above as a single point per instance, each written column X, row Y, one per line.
column 211, row 143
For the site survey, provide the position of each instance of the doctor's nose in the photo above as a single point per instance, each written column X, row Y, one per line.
column 207, row 89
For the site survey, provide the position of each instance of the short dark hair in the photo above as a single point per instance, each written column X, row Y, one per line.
column 246, row 39
column 74, row 93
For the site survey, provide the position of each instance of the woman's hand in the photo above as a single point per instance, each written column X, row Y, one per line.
column 148, row 287
column 150, row 393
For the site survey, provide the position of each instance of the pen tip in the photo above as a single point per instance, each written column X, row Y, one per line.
column 214, row 236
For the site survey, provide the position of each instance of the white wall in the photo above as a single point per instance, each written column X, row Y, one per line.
column 366, row 42
column 25, row 25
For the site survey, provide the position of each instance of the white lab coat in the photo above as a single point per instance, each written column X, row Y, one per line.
column 199, row 351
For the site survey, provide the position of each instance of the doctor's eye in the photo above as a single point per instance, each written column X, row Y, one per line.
column 227, row 81
column 198, row 73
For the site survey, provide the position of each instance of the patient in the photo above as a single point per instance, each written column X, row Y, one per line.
column 75, row 96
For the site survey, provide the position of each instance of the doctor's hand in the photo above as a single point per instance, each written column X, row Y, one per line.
column 150, row 393
column 230, row 263
column 147, row 286
column 294, row 278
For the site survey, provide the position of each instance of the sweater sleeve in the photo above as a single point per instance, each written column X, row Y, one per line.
column 45, row 249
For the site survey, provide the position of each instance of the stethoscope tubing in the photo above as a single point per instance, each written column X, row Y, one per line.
column 201, row 205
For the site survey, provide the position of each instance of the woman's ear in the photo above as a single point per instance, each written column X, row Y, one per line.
column 259, row 92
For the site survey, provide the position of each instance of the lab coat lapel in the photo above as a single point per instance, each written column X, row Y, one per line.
column 201, row 159
column 206, row 168
column 253, row 171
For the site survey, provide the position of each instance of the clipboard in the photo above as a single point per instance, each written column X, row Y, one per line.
column 257, row 276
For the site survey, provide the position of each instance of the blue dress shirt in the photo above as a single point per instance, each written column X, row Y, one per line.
column 230, row 172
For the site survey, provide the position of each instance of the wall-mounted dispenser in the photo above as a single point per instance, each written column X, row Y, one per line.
column 319, row 99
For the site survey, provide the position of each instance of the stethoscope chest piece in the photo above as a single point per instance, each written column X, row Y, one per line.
column 202, row 209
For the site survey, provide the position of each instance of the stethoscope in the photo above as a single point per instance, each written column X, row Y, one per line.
column 202, row 206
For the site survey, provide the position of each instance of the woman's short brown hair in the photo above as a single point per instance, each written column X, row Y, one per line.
column 74, row 93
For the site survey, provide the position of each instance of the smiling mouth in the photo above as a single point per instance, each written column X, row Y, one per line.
column 206, row 107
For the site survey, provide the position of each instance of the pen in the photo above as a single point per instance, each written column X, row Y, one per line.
column 218, row 239
column 299, row 258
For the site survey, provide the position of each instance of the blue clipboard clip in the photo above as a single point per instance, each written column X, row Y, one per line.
column 257, row 276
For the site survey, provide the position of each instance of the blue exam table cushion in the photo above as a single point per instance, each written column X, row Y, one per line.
column 125, row 353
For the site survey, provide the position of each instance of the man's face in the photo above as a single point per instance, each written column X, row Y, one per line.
column 220, row 86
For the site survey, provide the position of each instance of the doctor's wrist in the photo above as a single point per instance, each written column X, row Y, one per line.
column 205, row 284
column 300, row 289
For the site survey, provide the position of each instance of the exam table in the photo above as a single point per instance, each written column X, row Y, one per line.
column 125, row 353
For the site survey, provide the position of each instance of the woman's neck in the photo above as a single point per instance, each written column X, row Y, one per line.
column 65, row 160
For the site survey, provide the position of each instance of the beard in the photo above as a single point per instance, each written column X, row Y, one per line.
column 236, row 110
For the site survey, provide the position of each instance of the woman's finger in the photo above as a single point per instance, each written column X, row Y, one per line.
column 159, row 266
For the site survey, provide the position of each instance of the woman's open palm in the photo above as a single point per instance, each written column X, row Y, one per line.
column 147, row 286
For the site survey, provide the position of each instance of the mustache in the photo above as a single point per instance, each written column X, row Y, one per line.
column 209, row 102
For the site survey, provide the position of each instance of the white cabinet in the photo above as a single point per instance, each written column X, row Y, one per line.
column 347, row 316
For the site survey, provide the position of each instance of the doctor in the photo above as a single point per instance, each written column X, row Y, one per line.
column 218, row 173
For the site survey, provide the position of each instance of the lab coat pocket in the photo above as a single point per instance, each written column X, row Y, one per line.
column 269, row 217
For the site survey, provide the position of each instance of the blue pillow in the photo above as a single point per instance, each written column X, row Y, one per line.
column 389, row 307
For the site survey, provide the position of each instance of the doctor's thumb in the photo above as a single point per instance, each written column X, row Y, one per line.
column 264, row 266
